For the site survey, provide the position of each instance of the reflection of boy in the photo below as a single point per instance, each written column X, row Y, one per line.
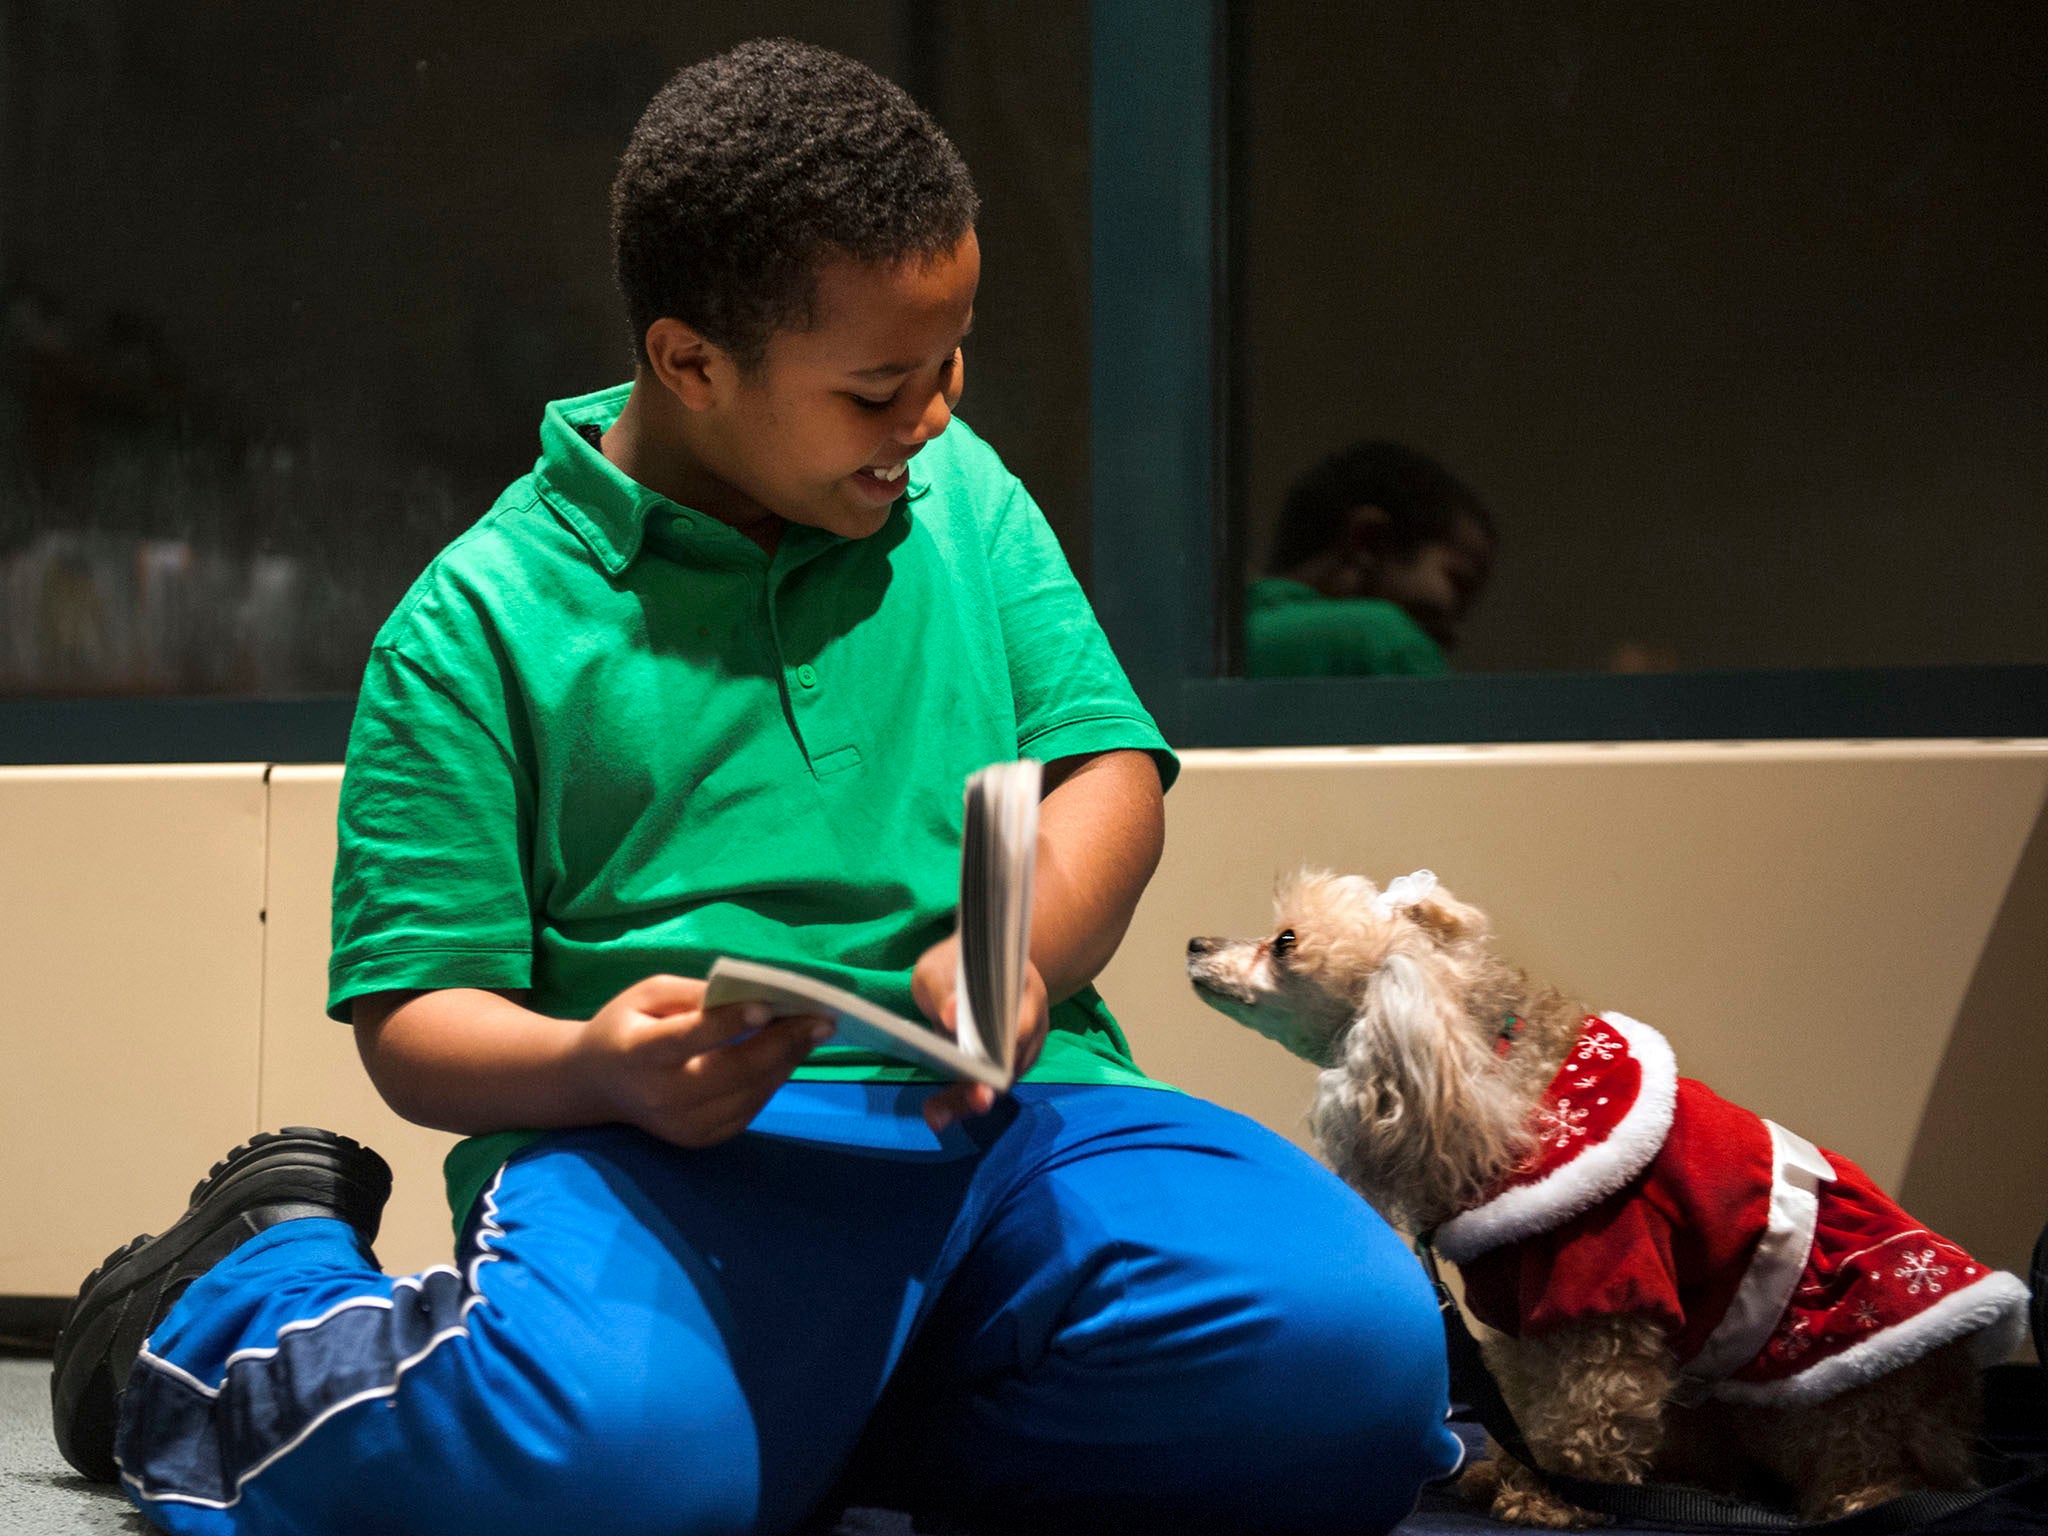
column 708, row 681
column 1379, row 555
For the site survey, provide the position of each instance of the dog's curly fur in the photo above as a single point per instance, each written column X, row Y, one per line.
column 1401, row 1005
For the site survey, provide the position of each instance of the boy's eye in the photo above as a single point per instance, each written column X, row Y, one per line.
column 1283, row 946
column 872, row 405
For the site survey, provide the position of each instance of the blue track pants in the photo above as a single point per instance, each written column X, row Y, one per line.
column 1107, row 1308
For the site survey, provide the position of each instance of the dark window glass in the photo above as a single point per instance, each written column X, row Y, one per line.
column 284, row 289
column 1733, row 318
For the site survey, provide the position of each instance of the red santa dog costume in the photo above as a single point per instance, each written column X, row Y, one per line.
column 1780, row 1272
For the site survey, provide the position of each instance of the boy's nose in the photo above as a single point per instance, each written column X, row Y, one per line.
column 936, row 416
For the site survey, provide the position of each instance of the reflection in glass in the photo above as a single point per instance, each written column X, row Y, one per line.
column 282, row 295
column 1735, row 315
column 1378, row 557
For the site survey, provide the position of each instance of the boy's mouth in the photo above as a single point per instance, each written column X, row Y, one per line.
column 883, row 482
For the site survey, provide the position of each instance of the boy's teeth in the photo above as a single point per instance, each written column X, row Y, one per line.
column 890, row 471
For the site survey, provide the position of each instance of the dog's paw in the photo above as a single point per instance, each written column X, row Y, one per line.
column 1540, row 1508
column 1515, row 1495
column 1816, row 1507
column 1480, row 1480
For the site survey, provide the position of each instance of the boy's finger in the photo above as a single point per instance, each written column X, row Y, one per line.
column 718, row 1027
column 961, row 1101
column 741, row 1017
column 711, row 1121
column 708, row 1127
column 943, row 1108
column 1029, row 1043
column 767, row 1056
column 663, row 995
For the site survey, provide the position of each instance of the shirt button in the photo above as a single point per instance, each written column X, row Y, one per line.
column 807, row 675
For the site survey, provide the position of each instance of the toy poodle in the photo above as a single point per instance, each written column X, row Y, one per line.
column 1671, row 1285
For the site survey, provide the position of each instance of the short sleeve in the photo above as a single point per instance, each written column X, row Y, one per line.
column 1394, row 645
column 1071, row 694
column 430, row 876
column 1340, row 637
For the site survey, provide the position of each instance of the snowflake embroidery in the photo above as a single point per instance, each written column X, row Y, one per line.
column 1864, row 1315
column 1561, row 1121
column 1920, row 1270
column 1601, row 1046
column 1584, row 1082
column 1792, row 1343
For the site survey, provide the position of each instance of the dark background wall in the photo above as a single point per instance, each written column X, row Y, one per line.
column 1734, row 312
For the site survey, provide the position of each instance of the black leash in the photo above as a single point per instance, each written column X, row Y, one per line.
column 1673, row 1504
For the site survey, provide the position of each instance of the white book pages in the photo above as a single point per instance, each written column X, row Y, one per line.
column 855, row 1020
column 998, row 858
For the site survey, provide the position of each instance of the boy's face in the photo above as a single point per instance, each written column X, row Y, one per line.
column 1439, row 582
column 822, row 433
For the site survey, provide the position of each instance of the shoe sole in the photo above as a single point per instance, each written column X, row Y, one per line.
column 300, row 1170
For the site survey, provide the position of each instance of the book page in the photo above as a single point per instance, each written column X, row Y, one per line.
column 856, row 1021
column 998, row 857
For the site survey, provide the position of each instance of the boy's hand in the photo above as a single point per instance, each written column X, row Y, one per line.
column 933, row 985
column 693, row 1077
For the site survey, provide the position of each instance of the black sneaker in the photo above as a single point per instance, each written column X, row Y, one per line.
column 275, row 1177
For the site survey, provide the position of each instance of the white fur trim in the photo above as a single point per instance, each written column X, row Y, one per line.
column 1798, row 1169
column 1526, row 1209
column 1990, row 1307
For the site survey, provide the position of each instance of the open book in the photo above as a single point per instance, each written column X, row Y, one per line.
column 998, row 850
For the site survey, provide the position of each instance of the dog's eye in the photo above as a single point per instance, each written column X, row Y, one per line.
column 1283, row 946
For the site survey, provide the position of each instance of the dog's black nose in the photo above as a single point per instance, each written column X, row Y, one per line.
column 1201, row 946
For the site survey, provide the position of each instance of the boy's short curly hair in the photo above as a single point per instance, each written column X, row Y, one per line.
column 748, row 168
column 1424, row 502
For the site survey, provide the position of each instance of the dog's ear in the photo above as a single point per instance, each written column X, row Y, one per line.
column 1447, row 919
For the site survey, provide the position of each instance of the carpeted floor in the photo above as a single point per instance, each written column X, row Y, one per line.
column 41, row 1496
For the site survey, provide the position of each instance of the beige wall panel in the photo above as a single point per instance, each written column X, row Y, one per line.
column 1804, row 922
column 311, row 1074
column 1980, row 1156
column 132, row 946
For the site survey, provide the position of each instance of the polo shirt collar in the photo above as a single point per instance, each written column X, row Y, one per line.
column 608, row 508
column 1279, row 591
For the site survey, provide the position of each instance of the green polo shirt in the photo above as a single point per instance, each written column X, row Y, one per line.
column 605, row 736
column 1292, row 630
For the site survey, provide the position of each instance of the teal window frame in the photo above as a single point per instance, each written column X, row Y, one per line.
column 39, row 732
column 1159, row 409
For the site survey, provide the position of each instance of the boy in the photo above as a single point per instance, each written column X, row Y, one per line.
column 1380, row 554
column 709, row 681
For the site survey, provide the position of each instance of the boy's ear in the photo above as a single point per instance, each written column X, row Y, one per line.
column 688, row 366
column 1365, row 532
